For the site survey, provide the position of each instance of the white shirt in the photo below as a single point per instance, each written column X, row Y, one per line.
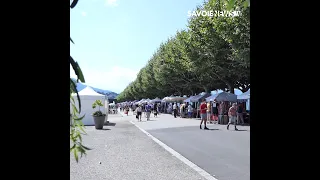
column 189, row 108
column 139, row 109
column 174, row 106
column 214, row 105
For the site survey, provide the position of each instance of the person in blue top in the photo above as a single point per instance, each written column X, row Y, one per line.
column 148, row 111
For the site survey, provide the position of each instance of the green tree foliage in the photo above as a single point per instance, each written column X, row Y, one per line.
column 236, row 31
column 76, row 129
column 212, row 53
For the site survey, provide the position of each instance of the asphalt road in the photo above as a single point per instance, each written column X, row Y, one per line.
column 224, row 154
column 126, row 153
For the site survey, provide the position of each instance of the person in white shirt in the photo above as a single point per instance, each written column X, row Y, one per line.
column 174, row 110
column 190, row 111
column 139, row 112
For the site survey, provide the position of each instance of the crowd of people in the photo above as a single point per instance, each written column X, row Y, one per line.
column 235, row 114
column 139, row 109
column 209, row 112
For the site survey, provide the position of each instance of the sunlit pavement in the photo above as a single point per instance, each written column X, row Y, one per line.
column 122, row 152
column 221, row 152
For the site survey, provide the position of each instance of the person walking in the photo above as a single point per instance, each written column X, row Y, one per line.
column 190, row 111
column 139, row 112
column 215, row 111
column 174, row 107
column 209, row 112
column 233, row 116
column 158, row 109
column 144, row 110
column 240, row 114
column 221, row 111
column 148, row 111
column 203, row 114
column 127, row 110
column 134, row 107
column 155, row 110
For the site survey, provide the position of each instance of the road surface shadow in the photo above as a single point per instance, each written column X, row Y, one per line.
column 211, row 129
column 240, row 130
column 146, row 120
column 104, row 129
column 111, row 124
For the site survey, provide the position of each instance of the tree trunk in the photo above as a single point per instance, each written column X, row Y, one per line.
column 231, row 88
column 191, row 92
column 206, row 90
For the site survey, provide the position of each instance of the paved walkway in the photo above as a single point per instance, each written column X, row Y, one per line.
column 168, row 121
column 126, row 153
column 225, row 154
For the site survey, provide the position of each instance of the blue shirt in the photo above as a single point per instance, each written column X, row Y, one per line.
column 148, row 108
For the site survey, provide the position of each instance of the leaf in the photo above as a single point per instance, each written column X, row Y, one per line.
column 75, row 154
column 246, row 4
column 72, row 147
column 77, row 69
column 80, row 118
column 81, row 150
column 230, row 4
column 73, row 85
column 72, row 99
column 86, row 148
column 74, row 3
column 71, row 40
column 79, row 136
column 74, row 108
column 81, row 128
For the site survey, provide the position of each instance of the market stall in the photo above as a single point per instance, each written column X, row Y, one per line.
column 196, row 101
column 168, row 102
column 244, row 99
column 156, row 100
column 87, row 97
column 224, row 101
column 188, row 99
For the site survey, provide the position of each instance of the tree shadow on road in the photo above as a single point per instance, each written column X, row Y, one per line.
column 211, row 129
column 110, row 124
column 104, row 129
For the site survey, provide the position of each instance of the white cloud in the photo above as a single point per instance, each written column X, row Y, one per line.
column 114, row 79
column 83, row 13
column 111, row 3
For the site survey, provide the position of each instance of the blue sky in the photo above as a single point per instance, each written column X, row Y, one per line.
column 114, row 39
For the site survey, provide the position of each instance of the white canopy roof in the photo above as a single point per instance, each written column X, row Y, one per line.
column 88, row 91
column 223, row 96
column 245, row 95
column 88, row 96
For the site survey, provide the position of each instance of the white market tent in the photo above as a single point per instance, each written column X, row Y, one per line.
column 223, row 96
column 87, row 97
column 245, row 97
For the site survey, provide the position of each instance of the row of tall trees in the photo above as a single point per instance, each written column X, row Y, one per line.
column 212, row 53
